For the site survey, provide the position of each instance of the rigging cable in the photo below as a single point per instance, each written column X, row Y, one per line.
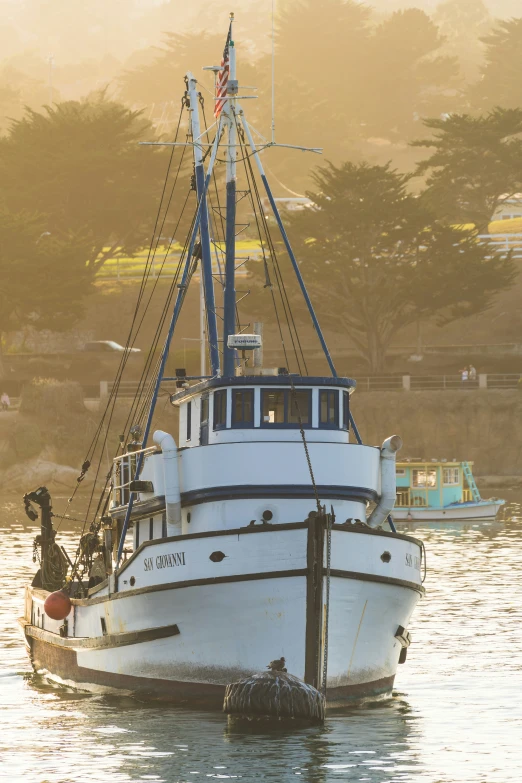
column 128, row 345
column 273, row 255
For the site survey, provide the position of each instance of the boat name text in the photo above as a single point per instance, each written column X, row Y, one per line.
column 165, row 561
column 413, row 561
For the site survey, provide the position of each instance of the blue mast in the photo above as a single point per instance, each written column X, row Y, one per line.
column 229, row 295
column 164, row 356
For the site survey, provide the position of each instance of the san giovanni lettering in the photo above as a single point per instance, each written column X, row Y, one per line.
column 171, row 560
column 165, row 561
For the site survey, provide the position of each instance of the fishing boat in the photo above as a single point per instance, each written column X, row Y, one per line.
column 246, row 542
column 441, row 490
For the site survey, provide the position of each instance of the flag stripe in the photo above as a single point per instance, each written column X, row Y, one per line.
column 222, row 79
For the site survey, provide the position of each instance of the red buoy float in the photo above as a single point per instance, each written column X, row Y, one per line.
column 57, row 605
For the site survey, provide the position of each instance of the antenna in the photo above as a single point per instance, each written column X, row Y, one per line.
column 273, row 76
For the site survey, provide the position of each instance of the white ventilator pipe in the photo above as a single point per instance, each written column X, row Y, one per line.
column 171, row 478
column 389, row 449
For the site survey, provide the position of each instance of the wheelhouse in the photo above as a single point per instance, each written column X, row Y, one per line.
column 432, row 484
column 217, row 410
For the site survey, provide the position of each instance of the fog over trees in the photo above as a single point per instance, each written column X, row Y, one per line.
column 425, row 94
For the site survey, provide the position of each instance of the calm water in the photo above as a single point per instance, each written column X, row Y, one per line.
column 456, row 714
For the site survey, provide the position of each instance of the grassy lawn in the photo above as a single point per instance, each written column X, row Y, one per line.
column 133, row 267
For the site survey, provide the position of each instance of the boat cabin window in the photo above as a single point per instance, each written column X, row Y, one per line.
column 424, row 478
column 328, row 408
column 346, row 411
column 451, row 476
column 284, row 407
column 400, row 471
column 220, row 409
column 203, row 428
column 299, row 407
column 189, row 420
column 242, row 407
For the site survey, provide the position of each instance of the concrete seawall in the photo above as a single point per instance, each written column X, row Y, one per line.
column 480, row 426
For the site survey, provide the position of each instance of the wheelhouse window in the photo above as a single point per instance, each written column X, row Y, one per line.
column 346, row 410
column 243, row 408
column 189, row 420
column 299, row 407
column 451, row 476
column 273, row 406
column 328, row 408
column 424, row 478
column 284, row 407
column 220, row 409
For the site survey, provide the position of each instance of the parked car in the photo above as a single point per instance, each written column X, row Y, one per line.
column 107, row 346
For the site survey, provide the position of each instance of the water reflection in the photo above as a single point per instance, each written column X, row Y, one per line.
column 455, row 716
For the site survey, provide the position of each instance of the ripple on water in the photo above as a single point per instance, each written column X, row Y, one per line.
column 455, row 718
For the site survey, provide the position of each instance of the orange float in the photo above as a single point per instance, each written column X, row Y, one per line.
column 57, row 605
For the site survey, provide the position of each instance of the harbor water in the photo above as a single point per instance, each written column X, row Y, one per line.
column 456, row 715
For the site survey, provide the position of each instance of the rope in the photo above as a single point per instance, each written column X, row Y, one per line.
column 285, row 301
column 109, row 408
column 305, row 444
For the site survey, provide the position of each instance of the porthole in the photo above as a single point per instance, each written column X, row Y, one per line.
column 188, row 517
column 386, row 557
column 132, row 581
column 267, row 515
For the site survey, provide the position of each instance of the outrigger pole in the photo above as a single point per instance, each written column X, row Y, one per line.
column 293, row 259
column 175, row 315
column 288, row 246
column 206, row 254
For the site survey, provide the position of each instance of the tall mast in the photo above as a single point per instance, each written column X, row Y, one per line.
column 206, row 255
column 229, row 297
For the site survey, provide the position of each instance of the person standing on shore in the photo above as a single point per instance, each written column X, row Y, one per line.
column 472, row 373
column 5, row 402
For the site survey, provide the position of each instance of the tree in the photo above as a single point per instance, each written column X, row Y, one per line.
column 161, row 80
column 44, row 277
column 463, row 23
column 500, row 83
column 18, row 91
column 375, row 260
column 79, row 163
column 405, row 75
column 476, row 165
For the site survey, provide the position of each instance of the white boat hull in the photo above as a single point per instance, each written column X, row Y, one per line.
column 484, row 511
column 189, row 625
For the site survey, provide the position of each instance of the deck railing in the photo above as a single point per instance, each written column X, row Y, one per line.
column 382, row 383
column 124, row 469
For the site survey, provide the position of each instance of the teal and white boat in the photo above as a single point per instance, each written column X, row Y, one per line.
column 440, row 491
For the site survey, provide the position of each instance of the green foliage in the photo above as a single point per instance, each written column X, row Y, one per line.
column 405, row 75
column 462, row 23
column 475, row 166
column 79, row 163
column 52, row 400
column 375, row 260
column 26, row 439
column 501, row 77
column 44, row 279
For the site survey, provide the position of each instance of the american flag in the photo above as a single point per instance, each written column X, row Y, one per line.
column 222, row 79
